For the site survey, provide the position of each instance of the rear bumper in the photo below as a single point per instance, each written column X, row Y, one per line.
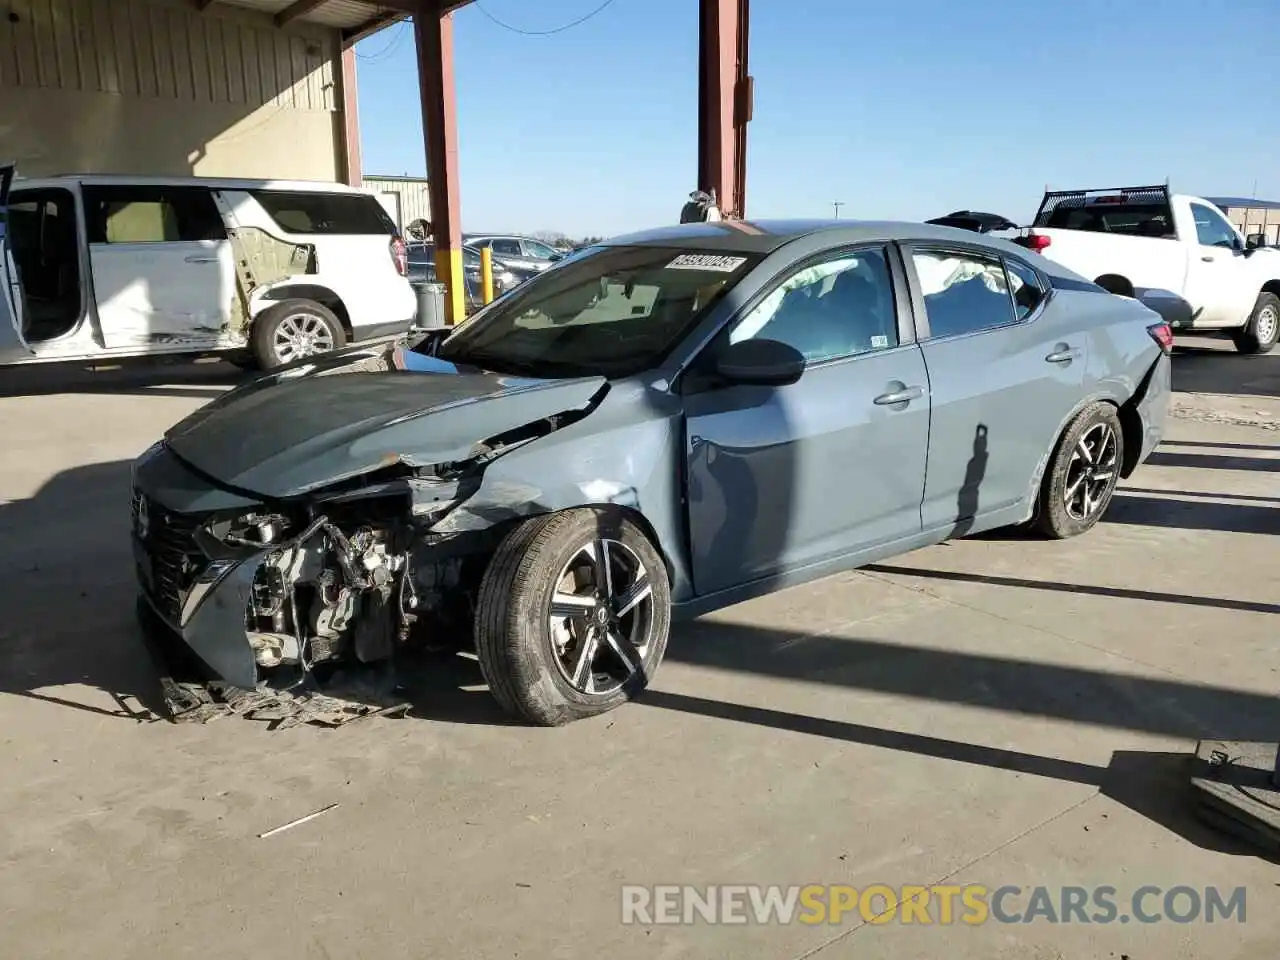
column 1152, row 406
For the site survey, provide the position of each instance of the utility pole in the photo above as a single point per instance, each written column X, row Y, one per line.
column 837, row 204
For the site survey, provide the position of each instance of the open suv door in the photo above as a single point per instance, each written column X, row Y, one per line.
column 12, row 344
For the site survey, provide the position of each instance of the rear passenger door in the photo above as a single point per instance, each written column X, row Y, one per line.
column 1004, row 372
column 163, row 273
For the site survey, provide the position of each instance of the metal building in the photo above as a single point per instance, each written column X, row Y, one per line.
column 1251, row 216
column 406, row 199
column 251, row 88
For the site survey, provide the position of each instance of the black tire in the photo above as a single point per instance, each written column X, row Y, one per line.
column 1259, row 335
column 1053, row 516
column 514, row 638
column 264, row 340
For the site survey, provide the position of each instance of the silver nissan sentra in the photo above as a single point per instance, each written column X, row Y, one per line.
column 664, row 424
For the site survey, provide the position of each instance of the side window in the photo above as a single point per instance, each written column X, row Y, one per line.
column 540, row 250
column 1028, row 293
column 321, row 212
column 151, row 215
column 963, row 292
column 839, row 307
column 510, row 248
column 1211, row 229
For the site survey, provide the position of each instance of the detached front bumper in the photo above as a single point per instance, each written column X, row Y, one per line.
column 209, row 615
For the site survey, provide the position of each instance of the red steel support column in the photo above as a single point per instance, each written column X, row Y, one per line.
column 351, row 170
column 725, row 98
column 433, row 34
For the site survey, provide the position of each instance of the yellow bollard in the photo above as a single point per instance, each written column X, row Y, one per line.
column 486, row 275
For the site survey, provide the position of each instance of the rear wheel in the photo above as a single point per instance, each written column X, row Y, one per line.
column 293, row 330
column 1259, row 335
column 572, row 617
column 1082, row 477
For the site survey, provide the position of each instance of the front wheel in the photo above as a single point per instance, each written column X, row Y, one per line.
column 572, row 617
column 1259, row 335
column 1082, row 477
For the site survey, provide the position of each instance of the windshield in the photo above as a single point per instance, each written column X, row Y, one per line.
column 609, row 310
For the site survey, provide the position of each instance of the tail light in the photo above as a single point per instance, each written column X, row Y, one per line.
column 400, row 256
column 1034, row 241
column 1162, row 334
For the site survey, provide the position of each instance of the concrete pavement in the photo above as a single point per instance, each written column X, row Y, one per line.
column 999, row 711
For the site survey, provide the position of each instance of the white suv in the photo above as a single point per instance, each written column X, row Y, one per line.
column 263, row 271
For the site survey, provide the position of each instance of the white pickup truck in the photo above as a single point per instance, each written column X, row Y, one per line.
column 1146, row 242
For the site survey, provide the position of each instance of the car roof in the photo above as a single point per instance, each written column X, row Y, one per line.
column 765, row 236
column 217, row 183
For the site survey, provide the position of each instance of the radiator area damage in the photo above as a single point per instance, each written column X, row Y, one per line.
column 306, row 606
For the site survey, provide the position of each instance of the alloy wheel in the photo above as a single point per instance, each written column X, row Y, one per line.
column 601, row 617
column 1091, row 470
column 301, row 335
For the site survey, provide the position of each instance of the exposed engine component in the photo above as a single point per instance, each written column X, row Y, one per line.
column 326, row 596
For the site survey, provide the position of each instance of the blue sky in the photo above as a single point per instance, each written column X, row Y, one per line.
column 901, row 111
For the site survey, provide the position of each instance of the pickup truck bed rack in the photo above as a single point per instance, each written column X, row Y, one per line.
column 1071, row 199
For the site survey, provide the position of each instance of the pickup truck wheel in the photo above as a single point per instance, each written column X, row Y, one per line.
column 1259, row 335
column 294, row 329
column 1082, row 478
column 572, row 616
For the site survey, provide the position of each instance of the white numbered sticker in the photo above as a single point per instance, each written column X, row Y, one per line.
column 706, row 261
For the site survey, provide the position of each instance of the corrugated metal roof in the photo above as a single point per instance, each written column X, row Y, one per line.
column 339, row 14
column 1224, row 203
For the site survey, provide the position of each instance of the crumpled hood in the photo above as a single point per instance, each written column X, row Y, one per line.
column 353, row 412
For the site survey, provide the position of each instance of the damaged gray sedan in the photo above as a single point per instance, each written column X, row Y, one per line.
column 664, row 424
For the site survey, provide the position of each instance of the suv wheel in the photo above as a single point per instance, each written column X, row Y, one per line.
column 572, row 616
column 1259, row 335
column 294, row 329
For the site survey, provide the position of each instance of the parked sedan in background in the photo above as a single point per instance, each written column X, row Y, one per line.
column 422, row 269
column 525, row 253
column 667, row 423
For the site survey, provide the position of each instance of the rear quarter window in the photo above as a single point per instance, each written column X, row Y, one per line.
column 326, row 213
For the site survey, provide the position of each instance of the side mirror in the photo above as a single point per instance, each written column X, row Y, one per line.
column 1255, row 240
column 762, row 363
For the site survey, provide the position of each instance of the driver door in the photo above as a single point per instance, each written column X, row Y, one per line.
column 781, row 478
column 1218, row 282
column 12, row 344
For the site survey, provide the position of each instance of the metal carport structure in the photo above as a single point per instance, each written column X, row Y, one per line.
column 724, row 108
column 108, row 86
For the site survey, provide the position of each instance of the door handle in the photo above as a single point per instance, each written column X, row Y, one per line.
column 905, row 395
column 1063, row 356
column 202, row 259
column 1209, row 259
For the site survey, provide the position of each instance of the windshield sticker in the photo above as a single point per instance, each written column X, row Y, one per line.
column 706, row 261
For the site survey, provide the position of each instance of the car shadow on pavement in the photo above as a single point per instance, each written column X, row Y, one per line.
column 151, row 379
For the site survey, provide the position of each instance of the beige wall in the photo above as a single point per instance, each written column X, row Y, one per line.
column 153, row 86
